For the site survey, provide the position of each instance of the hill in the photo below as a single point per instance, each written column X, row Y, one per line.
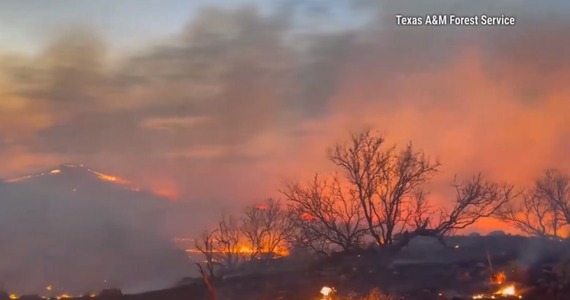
column 79, row 230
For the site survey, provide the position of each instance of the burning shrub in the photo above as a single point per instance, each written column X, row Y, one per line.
column 376, row 294
column 499, row 277
column 509, row 291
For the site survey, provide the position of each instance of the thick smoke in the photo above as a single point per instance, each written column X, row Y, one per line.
column 78, row 234
column 243, row 98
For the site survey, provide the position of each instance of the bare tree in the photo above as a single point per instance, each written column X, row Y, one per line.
column 325, row 215
column 278, row 226
column 383, row 180
column 205, row 244
column 211, row 291
column 384, row 190
column 305, row 236
column 228, row 238
column 475, row 199
column 531, row 215
column 555, row 186
column 542, row 210
column 266, row 227
column 253, row 229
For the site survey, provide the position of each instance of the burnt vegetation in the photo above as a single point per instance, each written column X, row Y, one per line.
column 371, row 209
column 377, row 200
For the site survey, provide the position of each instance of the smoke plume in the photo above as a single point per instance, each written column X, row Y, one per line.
column 244, row 97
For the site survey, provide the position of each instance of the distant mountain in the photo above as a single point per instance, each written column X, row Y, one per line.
column 80, row 230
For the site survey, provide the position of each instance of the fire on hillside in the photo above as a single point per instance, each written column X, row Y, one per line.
column 59, row 170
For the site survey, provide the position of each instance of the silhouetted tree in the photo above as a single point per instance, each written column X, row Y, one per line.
column 266, row 228
column 221, row 246
column 325, row 215
column 228, row 237
column 542, row 210
column 206, row 245
column 474, row 199
column 382, row 179
column 253, row 229
column 383, row 194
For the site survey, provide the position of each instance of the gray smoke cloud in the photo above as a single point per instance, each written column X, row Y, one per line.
column 76, row 233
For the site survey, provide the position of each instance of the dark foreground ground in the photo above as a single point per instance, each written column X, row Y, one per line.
column 421, row 272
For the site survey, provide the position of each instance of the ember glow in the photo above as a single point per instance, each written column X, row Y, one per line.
column 100, row 176
column 499, row 278
column 326, row 291
column 62, row 296
column 109, row 178
column 473, row 105
column 507, row 291
column 243, row 249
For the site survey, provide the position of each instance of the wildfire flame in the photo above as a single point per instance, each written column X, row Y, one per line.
column 62, row 296
column 504, row 291
column 108, row 177
column 58, row 171
column 499, row 278
column 325, row 291
column 17, row 179
column 242, row 249
column 508, row 291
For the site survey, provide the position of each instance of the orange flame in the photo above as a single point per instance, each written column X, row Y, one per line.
column 499, row 278
column 507, row 291
column 17, row 179
column 325, row 291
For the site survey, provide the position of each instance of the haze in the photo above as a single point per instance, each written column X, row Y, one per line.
column 215, row 107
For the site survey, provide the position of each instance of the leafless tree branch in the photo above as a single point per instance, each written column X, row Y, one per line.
column 228, row 238
column 542, row 210
column 384, row 180
column 325, row 214
column 205, row 244
column 266, row 227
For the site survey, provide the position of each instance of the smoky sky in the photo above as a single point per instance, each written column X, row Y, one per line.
column 242, row 98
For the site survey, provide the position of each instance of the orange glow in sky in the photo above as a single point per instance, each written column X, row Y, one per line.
column 226, row 127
